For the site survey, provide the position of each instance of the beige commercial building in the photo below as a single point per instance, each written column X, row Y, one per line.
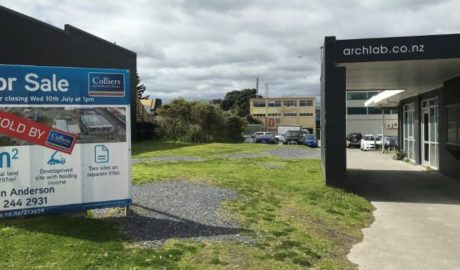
column 284, row 111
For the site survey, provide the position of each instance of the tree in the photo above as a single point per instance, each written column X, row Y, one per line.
column 237, row 101
column 235, row 126
column 140, row 88
column 243, row 101
column 158, row 103
column 216, row 101
column 251, row 120
column 198, row 122
column 229, row 100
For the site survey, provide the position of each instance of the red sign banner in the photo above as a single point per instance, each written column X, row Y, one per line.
column 36, row 133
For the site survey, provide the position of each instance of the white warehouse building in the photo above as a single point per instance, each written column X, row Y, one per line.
column 96, row 124
column 369, row 120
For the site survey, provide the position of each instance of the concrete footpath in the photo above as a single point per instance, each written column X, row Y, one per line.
column 417, row 216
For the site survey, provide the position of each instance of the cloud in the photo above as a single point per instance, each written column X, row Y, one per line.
column 200, row 49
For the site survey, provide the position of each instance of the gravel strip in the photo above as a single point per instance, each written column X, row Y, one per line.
column 243, row 155
column 179, row 209
column 295, row 153
column 167, row 159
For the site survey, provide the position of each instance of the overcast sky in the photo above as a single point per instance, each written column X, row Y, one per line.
column 201, row 49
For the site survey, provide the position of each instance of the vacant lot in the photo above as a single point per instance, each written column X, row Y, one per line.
column 289, row 219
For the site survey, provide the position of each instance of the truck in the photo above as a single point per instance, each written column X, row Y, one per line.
column 283, row 129
column 293, row 137
column 54, row 160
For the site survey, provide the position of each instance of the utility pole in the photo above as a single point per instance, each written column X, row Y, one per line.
column 266, row 106
column 257, row 85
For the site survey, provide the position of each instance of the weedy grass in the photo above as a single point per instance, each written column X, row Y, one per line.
column 168, row 148
column 296, row 221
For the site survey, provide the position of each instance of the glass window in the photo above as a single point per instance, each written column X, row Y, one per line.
column 274, row 114
column 453, row 125
column 412, row 124
column 274, row 103
column 290, row 103
column 357, row 96
column 356, row 110
column 258, row 103
column 391, row 110
column 371, row 94
column 306, row 114
column 373, row 110
column 433, row 121
column 405, row 115
column 412, row 150
column 290, row 114
column 259, row 114
column 369, row 138
column 306, row 103
column 408, row 131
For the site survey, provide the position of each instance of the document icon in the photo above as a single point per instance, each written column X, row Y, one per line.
column 101, row 154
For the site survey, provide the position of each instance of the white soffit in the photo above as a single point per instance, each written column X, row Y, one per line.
column 415, row 76
column 384, row 99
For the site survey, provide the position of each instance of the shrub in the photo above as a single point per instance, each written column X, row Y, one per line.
column 197, row 122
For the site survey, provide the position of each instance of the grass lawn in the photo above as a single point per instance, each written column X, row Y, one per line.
column 298, row 221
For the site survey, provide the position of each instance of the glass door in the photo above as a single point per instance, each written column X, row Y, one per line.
column 430, row 147
column 409, row 131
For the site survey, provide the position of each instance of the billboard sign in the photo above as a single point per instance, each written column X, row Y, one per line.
column 59, row 131
column 271, row 122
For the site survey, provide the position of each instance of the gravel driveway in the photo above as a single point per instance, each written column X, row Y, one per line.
column 179, row 209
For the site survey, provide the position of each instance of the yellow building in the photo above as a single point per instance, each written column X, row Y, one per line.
column 285, row 111
column 146, row 109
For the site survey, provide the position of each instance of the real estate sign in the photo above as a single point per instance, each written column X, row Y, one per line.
column 64, row 139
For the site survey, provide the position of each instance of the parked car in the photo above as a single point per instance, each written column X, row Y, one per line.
column 248, row 138
column 305, row 132
column 279, row 138
column 310, row 140
column 388, row 141
column 367, row 142
column 263, row 137
column 391, row 142
column 354, row 139
column 293, row 137
column 378, row 140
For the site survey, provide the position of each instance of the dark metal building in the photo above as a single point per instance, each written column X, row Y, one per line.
column 425, row 73
column 27, row 41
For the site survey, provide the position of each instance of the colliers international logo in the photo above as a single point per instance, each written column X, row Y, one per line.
column 60, row 141
column 106, row 84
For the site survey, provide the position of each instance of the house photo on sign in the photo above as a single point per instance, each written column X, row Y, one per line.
column 59, row 128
